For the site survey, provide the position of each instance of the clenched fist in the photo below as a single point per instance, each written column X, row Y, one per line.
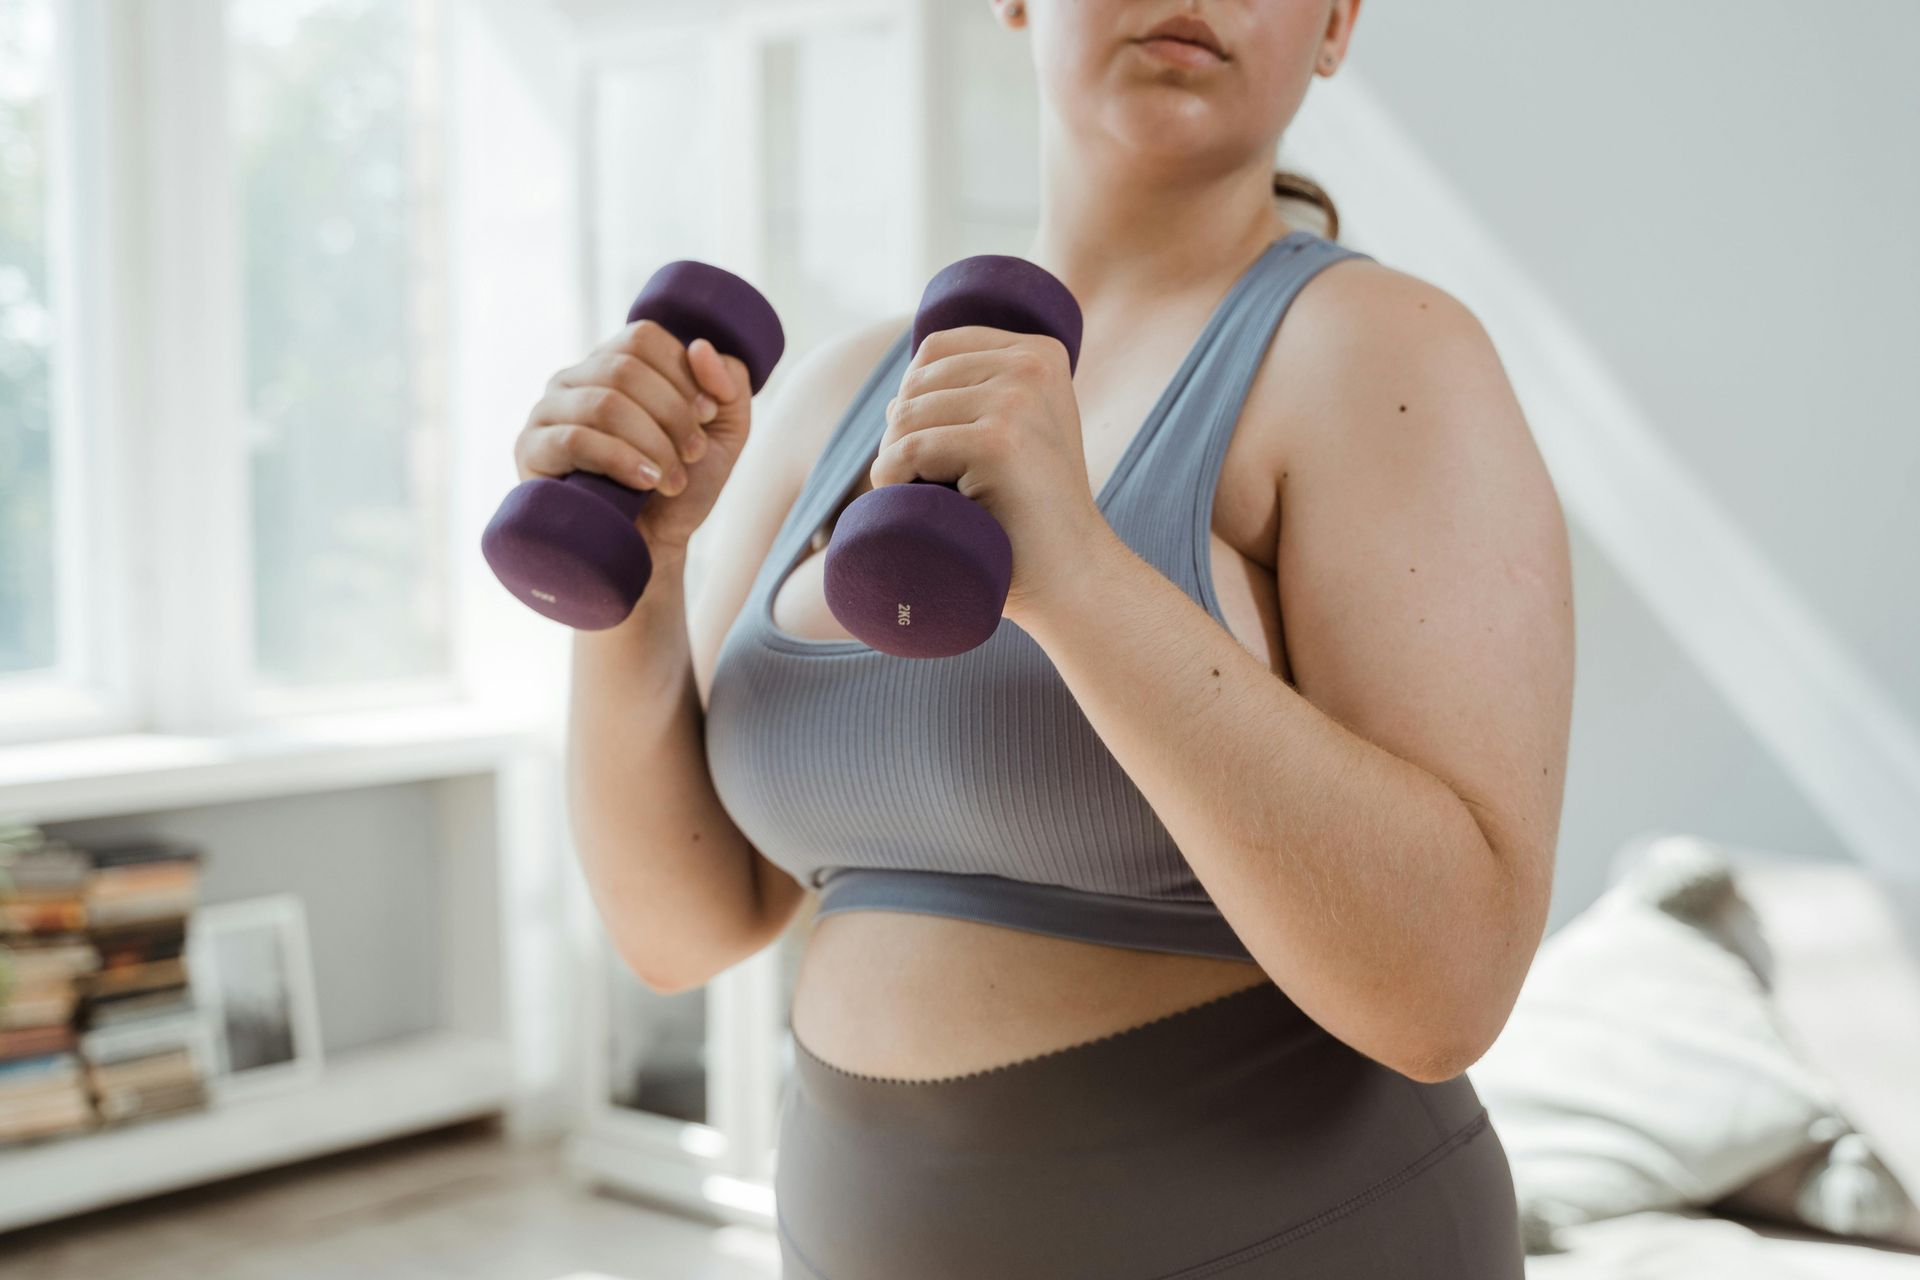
column 646, row 411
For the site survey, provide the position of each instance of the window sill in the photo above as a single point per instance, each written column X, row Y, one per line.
column 128, row 773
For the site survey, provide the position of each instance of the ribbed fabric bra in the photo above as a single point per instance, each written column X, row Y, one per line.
column 973, row 786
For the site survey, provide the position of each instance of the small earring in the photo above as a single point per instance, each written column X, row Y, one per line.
column 1016, row 10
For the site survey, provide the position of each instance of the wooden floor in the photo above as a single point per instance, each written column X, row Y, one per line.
column 461, row 1202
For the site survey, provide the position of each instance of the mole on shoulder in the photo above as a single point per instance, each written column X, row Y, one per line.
column 1403, row 408
column 1216, row 671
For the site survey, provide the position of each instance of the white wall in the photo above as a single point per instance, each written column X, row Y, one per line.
column 1721, row 194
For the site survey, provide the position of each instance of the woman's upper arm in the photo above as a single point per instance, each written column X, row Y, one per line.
column 1423, row 571
column 789, row 429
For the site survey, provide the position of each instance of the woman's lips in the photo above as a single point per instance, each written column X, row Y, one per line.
column 1181, row 53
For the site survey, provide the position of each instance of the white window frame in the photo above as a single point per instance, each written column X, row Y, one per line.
column 89, row 688
column 726, row 1165
column 151, row 468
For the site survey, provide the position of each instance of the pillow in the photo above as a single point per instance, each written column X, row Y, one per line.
column 1845, row 985
column 1643, row 1066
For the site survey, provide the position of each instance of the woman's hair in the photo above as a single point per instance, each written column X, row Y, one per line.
column 1292, row 186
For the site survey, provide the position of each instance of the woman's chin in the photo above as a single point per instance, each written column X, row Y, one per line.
column 1180, row 137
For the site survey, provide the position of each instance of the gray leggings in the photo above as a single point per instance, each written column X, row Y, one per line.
column 1232, row 1139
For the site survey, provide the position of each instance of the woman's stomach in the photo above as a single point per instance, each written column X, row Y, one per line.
column 905, row 996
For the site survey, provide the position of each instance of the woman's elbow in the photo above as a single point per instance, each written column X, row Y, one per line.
column 672, row 971
column 1464, row 1013
column 1467, row 1024
column 646, row 968
column 1436, row 1059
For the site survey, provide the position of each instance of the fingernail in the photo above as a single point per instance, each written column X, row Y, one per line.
column 647, row 471
column 695, row 446
column 704, row 407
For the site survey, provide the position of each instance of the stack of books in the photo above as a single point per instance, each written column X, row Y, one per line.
column 144, row 1039
column 46, row 956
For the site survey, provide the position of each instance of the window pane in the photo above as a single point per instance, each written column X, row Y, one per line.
column 338, row 181
column 656, row 1047
column 835, row 166
column 642, row 222
column 27, row 581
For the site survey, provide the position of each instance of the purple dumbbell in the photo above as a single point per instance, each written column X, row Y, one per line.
column 569, row 547
column 920, row 570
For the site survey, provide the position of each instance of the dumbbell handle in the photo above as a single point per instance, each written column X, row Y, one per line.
column 921, row 570
column 684, row 303
column 1001, row 292
column 569, row 548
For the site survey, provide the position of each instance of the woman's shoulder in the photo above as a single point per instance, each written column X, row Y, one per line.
column 1362, row 338
column 1376, row 373
column 1363, row 311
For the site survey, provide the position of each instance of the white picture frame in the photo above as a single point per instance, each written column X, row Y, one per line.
column 251, row 975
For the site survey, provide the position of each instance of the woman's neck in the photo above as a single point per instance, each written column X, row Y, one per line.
column 1117, row 235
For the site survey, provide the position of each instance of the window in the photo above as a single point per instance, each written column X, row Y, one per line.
column 335, row 166
column 223, row 446
column 29, row 599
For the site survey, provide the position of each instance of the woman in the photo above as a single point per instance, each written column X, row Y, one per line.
column 1155, row 938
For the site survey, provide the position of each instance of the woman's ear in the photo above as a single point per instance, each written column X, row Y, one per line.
column 1341, row 16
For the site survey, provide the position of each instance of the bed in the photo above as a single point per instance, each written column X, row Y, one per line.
column 1697, row 1245
column 1715, row 1071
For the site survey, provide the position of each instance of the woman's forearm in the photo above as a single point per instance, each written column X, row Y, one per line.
column 1361, row 883
column 671, row 876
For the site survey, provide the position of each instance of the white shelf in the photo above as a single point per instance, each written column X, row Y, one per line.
column 140, row 772
column 365, row 1095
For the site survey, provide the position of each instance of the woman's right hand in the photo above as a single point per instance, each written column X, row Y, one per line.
column 642, row 400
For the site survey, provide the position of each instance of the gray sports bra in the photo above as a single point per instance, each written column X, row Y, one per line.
column 973, row 786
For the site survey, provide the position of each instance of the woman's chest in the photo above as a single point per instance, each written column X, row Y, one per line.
column 1241, row 538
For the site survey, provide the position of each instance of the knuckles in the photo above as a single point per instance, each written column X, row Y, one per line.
column 601, row 401
column 623, row 367
column 897, row 463
column 573, row 439
column 994, row 442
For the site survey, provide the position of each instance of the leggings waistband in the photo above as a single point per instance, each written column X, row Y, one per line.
column 1120, row 1083
column 1229, row 1137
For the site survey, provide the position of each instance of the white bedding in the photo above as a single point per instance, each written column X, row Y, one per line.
column 1842, row 977
column 1697, row 1246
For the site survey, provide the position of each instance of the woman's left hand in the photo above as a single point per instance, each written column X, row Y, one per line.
column 994, row 411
